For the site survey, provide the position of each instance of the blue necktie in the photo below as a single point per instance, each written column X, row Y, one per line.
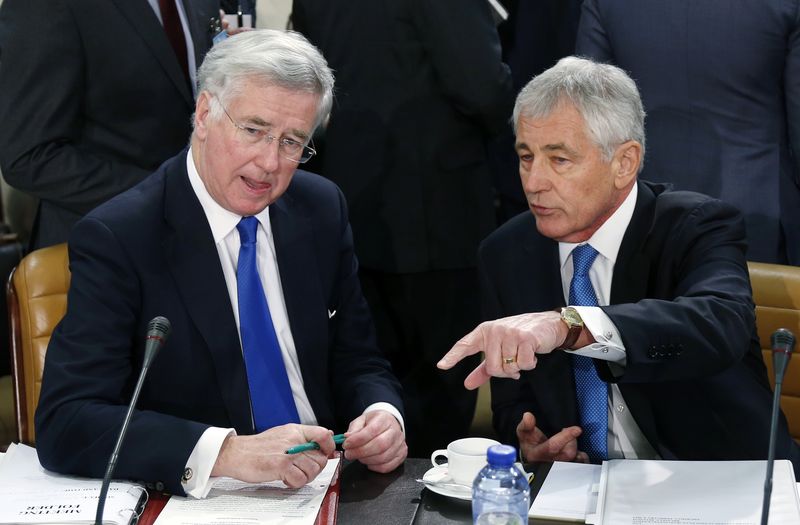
column 270, row 393
column 592, row 392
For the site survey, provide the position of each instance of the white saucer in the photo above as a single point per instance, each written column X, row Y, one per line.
column 452, row 490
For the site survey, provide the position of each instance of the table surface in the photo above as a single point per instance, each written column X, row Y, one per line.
column 398, row 499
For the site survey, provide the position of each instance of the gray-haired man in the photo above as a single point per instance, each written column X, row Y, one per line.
column 252, row 261
column 656, row 354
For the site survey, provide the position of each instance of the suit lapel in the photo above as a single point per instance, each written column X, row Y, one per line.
column 632, row 269
column 194, row 264
column 541, row 263
column 629, row 285
column 143, row 19
column 305, row 303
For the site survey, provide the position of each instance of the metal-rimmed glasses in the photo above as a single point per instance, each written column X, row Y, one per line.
column 288, row 148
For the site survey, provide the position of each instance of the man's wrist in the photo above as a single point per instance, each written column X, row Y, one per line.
column 574, row 323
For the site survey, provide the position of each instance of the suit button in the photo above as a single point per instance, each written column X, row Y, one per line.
column 159, row 486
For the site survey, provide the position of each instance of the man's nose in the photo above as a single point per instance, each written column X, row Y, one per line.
column 268, row 156
column 534, row 178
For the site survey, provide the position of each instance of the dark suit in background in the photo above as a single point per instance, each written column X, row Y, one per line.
column 536, row 35
column 420, row 89
column 122, row 277
column 720, row 82
column 92, row 100
column 694, row 380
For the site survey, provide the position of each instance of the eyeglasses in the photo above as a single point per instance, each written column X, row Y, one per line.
column 287, row 148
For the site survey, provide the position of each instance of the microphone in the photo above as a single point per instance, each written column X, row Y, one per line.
column 157, row 332
column 782, row 348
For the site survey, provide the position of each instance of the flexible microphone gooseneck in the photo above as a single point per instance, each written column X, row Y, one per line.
column 157, row 332
column 782, row 348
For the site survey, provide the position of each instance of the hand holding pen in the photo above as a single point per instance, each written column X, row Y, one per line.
column 313, row 445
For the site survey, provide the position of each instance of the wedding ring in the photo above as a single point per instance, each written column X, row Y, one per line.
column 509, row 360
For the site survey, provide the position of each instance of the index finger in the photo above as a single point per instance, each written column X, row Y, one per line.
column 467, row 345
column 322, row 436
column 477, row 377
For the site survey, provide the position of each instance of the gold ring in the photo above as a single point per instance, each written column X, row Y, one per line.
column 509, row 360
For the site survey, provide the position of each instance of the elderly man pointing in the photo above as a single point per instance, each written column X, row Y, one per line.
column 623, row 319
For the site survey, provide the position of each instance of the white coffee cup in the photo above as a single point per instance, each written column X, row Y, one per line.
column 465, row 458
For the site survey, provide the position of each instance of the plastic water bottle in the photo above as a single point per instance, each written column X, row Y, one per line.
column 500, row 492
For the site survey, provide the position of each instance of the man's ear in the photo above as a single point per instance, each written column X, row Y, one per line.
column 627, row 159
column 202, row 112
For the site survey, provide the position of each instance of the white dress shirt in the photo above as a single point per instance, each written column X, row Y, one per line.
column 226, row 238
column 625, row 439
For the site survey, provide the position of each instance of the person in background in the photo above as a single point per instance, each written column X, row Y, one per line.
column 720, row 82
column 94, row 98
column 655, row 354
column 421, row 88
column 252, row 262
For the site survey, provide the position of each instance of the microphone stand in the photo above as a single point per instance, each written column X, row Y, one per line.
column 158, row 330
column 782, row 346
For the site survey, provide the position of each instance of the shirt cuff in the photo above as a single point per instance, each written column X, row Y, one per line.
column 608, row 342
column 196, row 479
column 389, row 408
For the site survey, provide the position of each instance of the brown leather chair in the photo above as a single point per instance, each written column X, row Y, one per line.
column 37, row 300
column 776, row 292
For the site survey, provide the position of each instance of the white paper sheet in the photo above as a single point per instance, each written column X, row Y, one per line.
column 696, row 493
column 569, row 492
column 31, row 495
column 232, row 502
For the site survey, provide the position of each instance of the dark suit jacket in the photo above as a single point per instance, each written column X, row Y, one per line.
column 694, row 381
column 150, row 252
column 720, row 82
column 92, row 100
column 420, row 86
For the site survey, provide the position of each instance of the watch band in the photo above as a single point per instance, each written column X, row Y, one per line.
column 572, row 337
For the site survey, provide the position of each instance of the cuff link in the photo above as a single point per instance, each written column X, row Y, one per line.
column 187, row 475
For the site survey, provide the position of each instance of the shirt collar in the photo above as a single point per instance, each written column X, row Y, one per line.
column 221, row 221
column 608, row 238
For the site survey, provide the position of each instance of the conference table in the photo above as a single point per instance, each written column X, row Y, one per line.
column 396, row 498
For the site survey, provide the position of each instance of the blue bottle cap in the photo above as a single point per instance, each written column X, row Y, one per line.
column 501, row 455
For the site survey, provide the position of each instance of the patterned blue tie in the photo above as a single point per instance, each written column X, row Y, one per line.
column 592, row 392
column 270, row 393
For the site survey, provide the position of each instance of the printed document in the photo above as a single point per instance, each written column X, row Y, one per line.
column 31, row 495
column 232, row 502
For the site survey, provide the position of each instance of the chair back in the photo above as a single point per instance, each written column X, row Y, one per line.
column 37, row 300
column 776, row 292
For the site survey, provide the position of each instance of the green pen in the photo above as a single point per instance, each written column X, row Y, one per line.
column 313, row 445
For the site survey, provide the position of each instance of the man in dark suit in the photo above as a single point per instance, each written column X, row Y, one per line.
column 93, row 98
column 657, row 353
column 720, row 82
column 184, row 244
column 420, row 89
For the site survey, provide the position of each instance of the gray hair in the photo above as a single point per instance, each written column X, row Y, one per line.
column 278, row 58
column 604, row 95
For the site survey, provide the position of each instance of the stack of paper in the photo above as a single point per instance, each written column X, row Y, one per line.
column 569, row 493
column 31, row 495
column 674, row 492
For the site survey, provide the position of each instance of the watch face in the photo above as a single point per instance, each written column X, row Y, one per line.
column 571, row 317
